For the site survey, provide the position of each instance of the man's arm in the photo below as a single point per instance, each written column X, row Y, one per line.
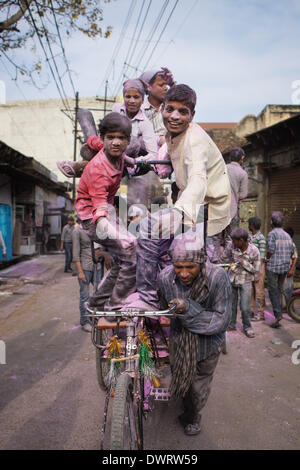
column 76, row 254
column 209, row 322
column 243, row 192
column 195, row 157
column 62, row 238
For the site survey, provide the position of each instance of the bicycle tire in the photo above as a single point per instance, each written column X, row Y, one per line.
column 102, row 368
column 123, row 428
column 293, row 308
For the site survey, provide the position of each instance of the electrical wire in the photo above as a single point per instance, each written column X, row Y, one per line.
column 149, row 38
column 118, row 46
column 52, row 57
column 162, row 32
column 179, row 28
column 47, row 59
column 62, row 48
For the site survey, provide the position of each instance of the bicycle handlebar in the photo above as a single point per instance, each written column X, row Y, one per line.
column 154, row 162
column 130, row 313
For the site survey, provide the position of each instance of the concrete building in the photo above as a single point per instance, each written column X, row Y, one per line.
column 40, row 129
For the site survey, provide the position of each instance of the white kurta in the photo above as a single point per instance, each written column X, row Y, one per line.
column 201, row 176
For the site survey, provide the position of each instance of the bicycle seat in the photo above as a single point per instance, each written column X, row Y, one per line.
column 296, row 293
column 104, row 324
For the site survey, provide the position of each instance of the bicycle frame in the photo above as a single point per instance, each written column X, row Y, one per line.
column 132, row 356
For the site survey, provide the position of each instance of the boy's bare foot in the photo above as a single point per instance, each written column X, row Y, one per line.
column 72, row 169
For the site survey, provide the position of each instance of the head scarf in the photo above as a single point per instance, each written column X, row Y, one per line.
column 135, row 83
column 188, row 247
column 149, row 74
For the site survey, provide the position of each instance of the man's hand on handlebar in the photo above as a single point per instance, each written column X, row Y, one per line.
column 181, row 305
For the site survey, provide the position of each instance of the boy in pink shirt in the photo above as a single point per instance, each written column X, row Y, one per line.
column 94, row 205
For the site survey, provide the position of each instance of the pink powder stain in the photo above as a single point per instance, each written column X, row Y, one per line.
column 56, row 318
column 75, row 327
column 13, row 377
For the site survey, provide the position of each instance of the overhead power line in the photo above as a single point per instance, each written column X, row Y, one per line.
column 142, row 49
column 62, row 48
column 48, row 61
column 162, row 32
column 118, row 46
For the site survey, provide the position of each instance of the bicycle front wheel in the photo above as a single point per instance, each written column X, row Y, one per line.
column 124, row 435
column 293, row 308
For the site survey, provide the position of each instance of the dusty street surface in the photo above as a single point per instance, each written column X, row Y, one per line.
column 50, row 399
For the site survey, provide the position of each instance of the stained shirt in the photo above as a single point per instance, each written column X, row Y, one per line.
column 248, row 263
column 208, row 320
column 66, row 235
column 97, row 187
column 201, row 175
column 239, row 185
column 141, row 129
column 259, row 240
column 280, row 245
column 155, row 117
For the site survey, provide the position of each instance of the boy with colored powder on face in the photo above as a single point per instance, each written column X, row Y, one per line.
column 94, row 206
column 247, row 259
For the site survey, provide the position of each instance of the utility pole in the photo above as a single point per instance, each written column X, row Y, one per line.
column 75, row 140
column 105, row 97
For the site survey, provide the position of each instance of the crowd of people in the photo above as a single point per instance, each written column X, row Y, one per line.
column 180, row 248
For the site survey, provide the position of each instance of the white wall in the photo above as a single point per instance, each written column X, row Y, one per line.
column 41, row 130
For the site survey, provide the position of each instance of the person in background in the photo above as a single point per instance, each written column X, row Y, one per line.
column 288, row 285
column 66, row 243
column 279, row 253
column 202, row 293
column 258, row 285
column 238, row 178
column 158, row 82
column 246, row 258
column 2, row 244
column 87, row 272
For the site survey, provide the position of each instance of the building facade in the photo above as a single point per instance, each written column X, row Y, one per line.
column 33, row 205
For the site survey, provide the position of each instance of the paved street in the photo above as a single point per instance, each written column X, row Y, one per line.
column 50, row 399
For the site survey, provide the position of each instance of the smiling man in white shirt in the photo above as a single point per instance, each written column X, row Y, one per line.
column 201, row 176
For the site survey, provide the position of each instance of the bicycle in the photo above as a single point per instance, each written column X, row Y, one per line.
column 293, row 306
column 127, row 369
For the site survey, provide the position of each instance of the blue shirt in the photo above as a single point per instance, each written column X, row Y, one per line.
column 280, row 246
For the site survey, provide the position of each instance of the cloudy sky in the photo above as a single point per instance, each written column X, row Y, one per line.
column 238, row 55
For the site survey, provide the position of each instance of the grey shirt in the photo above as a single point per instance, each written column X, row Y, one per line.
column 66, row 235
column 239, row 185
column 82, row 250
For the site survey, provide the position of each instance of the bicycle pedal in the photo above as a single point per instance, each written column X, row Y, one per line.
column 160, row 394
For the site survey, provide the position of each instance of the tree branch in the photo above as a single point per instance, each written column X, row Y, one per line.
column 7, row 24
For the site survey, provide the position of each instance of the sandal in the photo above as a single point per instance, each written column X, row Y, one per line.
column 192, row 429
column 66, row 168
